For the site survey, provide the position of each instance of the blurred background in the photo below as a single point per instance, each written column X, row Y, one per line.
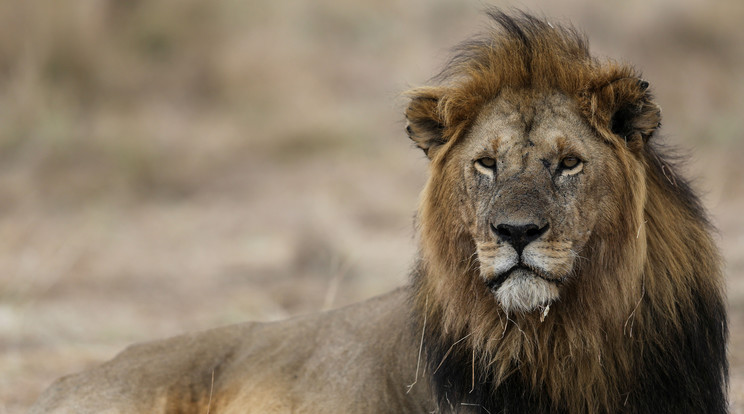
column 175, row 165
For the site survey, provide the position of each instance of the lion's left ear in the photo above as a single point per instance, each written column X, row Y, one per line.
column 634, row 115
column 425, row 122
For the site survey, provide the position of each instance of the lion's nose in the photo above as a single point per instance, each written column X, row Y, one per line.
column 519, row 236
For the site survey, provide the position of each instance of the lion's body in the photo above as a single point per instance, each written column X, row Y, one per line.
column 343, row 361
column 564, row 267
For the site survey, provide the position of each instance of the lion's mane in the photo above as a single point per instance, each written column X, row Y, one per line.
column 643, row 327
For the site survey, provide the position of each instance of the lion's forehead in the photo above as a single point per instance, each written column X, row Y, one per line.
column 515, row 126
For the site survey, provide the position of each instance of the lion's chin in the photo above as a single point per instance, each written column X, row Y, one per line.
column 524, row 291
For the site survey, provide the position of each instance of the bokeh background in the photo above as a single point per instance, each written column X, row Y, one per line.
column 175, row 165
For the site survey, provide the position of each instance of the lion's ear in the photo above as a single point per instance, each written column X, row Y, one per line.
column 425, row 122
column 635, row 116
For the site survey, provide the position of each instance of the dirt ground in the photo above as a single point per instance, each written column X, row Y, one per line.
column 175, row 165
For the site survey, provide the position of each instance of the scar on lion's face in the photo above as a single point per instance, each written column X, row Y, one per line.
column 529, row 163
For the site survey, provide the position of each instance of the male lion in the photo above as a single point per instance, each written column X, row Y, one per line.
column 564, row 267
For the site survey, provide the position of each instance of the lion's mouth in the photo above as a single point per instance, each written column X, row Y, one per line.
column 524, row 289
column 496, row 282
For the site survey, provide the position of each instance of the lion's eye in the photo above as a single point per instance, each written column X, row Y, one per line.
column 569, row 163
column 487, row 162
column 485, row 166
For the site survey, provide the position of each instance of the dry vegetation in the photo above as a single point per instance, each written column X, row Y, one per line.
column 172, row 165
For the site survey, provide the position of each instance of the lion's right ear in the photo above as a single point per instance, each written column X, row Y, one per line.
column 425, row 122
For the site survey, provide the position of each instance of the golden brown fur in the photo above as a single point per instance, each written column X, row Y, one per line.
column 614, row 303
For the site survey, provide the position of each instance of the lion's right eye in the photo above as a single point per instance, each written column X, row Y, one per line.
column 486, row 165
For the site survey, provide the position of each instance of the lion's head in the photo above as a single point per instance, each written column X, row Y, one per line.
column 537, row 183
column 554, row 235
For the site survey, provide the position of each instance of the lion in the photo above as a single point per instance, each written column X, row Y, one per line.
column 564, row 266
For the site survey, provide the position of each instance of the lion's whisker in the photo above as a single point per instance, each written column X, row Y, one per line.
column 473, row 373
column 421, row 346
column 518, row 328
column 632, row 314
column 449, row 351
column 576, row 255
column 476, row 405
column 211, row 389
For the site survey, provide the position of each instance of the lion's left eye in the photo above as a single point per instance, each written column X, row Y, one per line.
column 487, row 162
column 570, row 163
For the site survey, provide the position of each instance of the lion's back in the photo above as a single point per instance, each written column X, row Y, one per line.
column 147, row 374
column 355, row 359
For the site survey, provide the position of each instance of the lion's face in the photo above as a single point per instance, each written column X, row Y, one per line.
column 533, row 175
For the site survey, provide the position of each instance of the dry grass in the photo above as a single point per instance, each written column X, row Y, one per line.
column 172, row 165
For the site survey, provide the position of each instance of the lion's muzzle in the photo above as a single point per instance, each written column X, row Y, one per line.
column 520, row 235
column 516, row 268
